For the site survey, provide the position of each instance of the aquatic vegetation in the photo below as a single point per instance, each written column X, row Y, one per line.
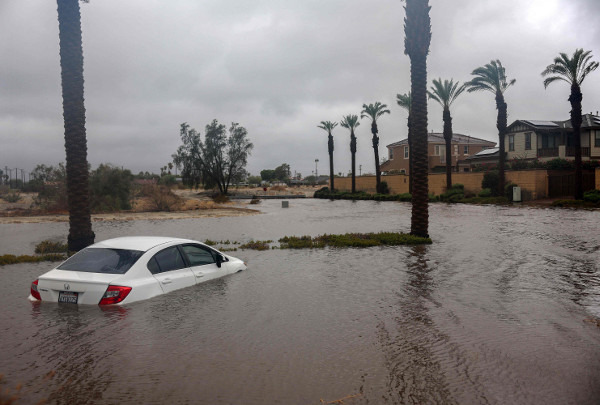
column 352, row 240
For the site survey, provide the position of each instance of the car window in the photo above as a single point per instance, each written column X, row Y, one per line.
column 199, row 255
column 101, row 260
column 167, row 260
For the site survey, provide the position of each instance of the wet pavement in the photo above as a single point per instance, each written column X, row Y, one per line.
column 499, row 310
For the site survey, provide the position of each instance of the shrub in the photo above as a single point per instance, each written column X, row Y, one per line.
column 220, row 198
column 12, row 197
column 168, row 180
column 486, row 192
column 48, row 246
column 110, row 189
column 559, row 164
column 257, row 245
column 454, row 195
column 352, row 240
column 383, row 188
column 12, row 259
column 491, row 180
column 592, row 196
column 161, row 197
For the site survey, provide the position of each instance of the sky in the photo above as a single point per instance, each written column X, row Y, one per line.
column 276, row 67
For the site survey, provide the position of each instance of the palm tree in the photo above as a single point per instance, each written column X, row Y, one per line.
column 492, row 78
column 573, row 71
column 328, row 126
column 374, row 111
column 351, row 122
column 417, row 29
column 445, row 93
column 71, row 64
column 404, row 101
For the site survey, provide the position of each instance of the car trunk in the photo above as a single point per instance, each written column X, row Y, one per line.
column 74, row 286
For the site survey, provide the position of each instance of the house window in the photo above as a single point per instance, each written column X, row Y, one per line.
column 440, row 150
column 455, row 150
column 391, row 153
column 528, row 141
column 406, row 152
column 597, row 139
column 511, row 143
column 466, row 150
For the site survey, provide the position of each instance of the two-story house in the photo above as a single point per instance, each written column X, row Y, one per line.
column 546, row 140
column 463, row 146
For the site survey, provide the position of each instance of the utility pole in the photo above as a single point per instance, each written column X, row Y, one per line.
column 316, row 169
column 360, row 170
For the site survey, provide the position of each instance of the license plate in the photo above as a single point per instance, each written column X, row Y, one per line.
column 68, row 297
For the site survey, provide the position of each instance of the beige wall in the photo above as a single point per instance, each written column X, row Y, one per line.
column 534, row 181
column 520, row 151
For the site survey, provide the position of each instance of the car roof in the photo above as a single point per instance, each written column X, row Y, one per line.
column 142, row 243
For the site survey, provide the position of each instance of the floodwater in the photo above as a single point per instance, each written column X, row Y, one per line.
column 501, row 309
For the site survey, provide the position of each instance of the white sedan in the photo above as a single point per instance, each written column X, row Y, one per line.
column 123, row 270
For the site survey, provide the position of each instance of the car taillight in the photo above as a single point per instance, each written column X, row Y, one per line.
column 114, row 294
column 34, row 291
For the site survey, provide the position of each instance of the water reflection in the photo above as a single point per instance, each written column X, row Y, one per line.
column 409, row 342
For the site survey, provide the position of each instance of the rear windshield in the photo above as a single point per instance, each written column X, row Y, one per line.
column 101, row 260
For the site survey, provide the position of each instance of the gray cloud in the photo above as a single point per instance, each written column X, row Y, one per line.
column 276, row 67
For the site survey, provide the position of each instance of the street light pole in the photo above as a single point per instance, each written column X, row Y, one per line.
column 360, row 170
column 316, row 169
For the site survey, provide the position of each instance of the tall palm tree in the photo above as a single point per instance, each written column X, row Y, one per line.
column 573, row 71
column 328, row 126
column 351, row 122
column 417, row 29
column 492, row 78
column 445, row 93
column 374, row 111
column 404, row 101
column 71, row 64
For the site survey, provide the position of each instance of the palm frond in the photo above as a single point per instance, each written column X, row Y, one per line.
column 572, row 70
column 350, row 121
column 491, row 77
column 374, row 111
column 327, row 125
column 404, row 101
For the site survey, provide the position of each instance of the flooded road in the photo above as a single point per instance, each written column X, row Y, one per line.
column 498, row 310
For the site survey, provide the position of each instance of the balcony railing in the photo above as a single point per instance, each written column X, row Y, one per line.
column 585, row 151
column 547, row 152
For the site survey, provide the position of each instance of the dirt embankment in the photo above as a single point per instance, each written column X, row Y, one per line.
column 192, row 205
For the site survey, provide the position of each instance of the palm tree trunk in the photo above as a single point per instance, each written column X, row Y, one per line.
column 501, row 125
column 448, row 139
column 417, row 40
column 330, row 145
column 410, row 157
column 353, row 151
column 71, row 63
column 575, row 98
column 375, row 141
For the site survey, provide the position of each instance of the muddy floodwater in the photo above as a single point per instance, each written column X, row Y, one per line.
column 501, row 309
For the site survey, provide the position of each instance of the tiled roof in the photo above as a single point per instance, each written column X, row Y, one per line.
column 437, row 137
column 587, row 121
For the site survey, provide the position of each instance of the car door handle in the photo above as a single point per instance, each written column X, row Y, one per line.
column 199, row 275
column 167, row 281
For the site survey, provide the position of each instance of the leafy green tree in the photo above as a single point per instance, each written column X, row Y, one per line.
column 351, row 122
column 267, row 175
column 445, row 93
column 110, row 188
column 329, row 126
column 254, row 180
column 71, row 64
column 573, row 71
column 374, row 112
column 492, row 78
column 404, row 101
column 282, row 173
column 219, row 160
column 417, row 29
column 51, row 185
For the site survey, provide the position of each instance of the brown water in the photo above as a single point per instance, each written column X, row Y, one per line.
column 494, row 312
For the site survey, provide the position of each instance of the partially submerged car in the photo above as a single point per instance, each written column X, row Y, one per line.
column 123, row 270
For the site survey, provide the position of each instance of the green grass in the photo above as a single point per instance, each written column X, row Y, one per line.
column 352, row 240
column 257, row 245
column 12, row 259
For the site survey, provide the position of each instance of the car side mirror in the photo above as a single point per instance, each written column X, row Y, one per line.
column 219, row 260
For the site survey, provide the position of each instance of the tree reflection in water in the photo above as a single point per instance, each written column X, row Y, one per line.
column 409, row 339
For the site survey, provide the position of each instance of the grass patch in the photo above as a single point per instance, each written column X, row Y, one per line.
column 47, row 246
column 352, row 240
column 257, row 245
column 12, row 259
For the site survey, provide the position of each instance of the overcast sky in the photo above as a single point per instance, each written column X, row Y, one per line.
column 276, row 67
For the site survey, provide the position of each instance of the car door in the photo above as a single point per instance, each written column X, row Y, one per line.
column 203, row 262
column 169, row 268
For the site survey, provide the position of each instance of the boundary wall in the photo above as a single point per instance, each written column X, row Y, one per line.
column 535, row 181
